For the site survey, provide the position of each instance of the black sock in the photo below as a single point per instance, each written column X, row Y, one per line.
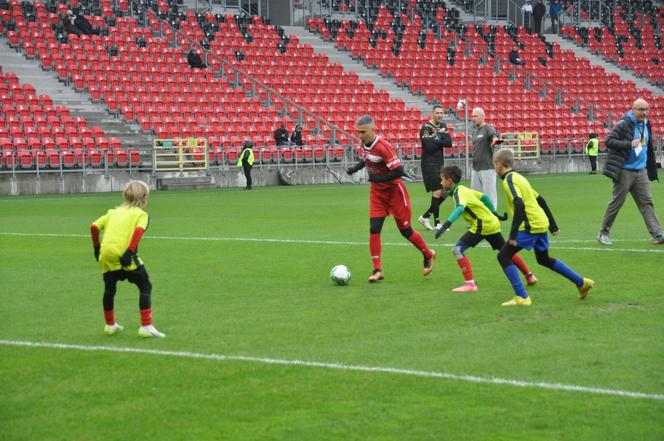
column 435, row 209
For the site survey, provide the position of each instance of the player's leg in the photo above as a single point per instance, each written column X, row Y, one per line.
column 512, row 273
column 620, row 189
column 582, row 283
column 400, row 209
column 497, row 241
column 468, row 240
column 375, row 247
column 378, row 210
column 141, row 279
column 110, row 287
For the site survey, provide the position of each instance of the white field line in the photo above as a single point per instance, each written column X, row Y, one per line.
column 554, row 243
column 344, row 367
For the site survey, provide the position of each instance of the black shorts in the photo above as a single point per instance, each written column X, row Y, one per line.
column 472, row 239
column 431, row 176
column 138, row 277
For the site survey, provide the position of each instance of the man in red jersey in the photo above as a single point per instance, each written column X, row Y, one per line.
column 388, row 195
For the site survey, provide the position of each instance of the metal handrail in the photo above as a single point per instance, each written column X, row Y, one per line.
column 237, row 73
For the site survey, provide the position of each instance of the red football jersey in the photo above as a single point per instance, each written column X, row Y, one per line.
column 380, row 157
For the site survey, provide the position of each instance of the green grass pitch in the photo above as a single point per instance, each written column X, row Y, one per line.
column 245, row 274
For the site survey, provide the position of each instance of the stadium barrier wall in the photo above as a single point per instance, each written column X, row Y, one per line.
column 232, row 177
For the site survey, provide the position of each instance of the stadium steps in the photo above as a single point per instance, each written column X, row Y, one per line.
column 335, row 55
column 596, row 60
column 186, row 183
column 46, row 82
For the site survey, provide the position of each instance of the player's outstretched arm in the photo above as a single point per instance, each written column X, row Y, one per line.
column 454, row 215
column 359, row 165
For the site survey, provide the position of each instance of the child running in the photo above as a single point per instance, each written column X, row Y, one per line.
column 531, row 217
column 123, row 228
column 480, row 213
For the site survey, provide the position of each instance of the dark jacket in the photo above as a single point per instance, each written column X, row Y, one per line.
column 434, row 139
column 280, row 136
column 195, row 60
column 619, row 143
column 84, row 25
column 539, row 10
column 296, row 137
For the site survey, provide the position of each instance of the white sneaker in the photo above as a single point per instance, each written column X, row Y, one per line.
column 149, row 331
column 425, row 221
column 113, row 329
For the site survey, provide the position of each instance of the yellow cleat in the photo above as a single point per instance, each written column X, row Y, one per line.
column 113, row 329
column 518, row 301
column 583, row 289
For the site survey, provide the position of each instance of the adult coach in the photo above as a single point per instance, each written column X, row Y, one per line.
column 387, row 196
column 483, row 175
column 630, row 163
column 434, row 137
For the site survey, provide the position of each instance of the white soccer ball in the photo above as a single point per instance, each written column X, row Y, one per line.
column 340, row 275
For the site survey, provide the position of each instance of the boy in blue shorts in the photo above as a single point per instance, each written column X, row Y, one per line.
column 478, row 210
column 531, row 218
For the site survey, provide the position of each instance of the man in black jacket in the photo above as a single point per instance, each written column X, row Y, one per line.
column 434, row 137
column 630, row 163
column 539, row 10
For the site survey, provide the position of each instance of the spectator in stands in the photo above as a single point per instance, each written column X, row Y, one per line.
column 281, row 136
column 514, row 57
column 239, row 55
column 630, row 163
column 296, row 136
column 539, row 10
column 592, row 149
column 554, row 13
column 84, row 25
column 527, row 10
column 483, row 175
column 70, row 24
column 246, row 161
column 195, row 60
column 434, row 137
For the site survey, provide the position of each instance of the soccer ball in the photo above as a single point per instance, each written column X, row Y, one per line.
column 340, row 275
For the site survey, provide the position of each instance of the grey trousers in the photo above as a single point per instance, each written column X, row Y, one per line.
column 485, row 181
column 636, row 183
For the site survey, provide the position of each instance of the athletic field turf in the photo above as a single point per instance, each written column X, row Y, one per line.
column 261, row 346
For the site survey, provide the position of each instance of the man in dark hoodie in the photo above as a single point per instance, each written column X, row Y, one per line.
column 630, row 163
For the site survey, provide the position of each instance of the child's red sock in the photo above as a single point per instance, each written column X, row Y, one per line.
column 109, row 317
column 518, row 261
column 146, row 317
column 466, row 269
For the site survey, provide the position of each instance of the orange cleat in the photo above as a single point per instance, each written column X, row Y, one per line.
column 428, row 264
column 376, row 276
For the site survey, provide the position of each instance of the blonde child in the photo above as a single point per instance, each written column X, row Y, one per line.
column 117, row 255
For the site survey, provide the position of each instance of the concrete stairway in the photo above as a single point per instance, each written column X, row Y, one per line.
column 79, row 103
column 364, row 73
column 596, row 60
